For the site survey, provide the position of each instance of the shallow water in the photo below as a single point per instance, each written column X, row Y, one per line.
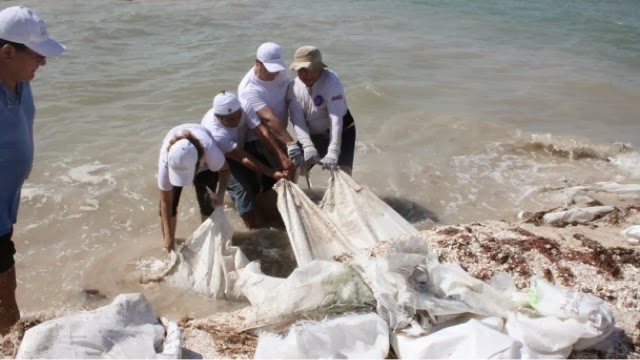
column 465, row 111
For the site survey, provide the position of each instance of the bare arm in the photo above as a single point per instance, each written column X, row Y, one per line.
column 249, row 161
column 166, row 204
column 224, row 175
column 274, row 125
column 264, row 135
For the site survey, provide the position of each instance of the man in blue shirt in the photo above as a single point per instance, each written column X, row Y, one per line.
column 24, row 47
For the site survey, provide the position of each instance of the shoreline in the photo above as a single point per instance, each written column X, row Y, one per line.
column 590, row 256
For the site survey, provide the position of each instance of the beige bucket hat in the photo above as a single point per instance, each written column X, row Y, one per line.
column 308, row 57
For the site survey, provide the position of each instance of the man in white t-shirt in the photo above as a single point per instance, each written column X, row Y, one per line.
column 189, row 155
column 229, row 125
column 264, row 89
column 319, row 113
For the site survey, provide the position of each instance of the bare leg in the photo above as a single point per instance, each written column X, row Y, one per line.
column 9, row 312
column 173, row 223
column 172, row 226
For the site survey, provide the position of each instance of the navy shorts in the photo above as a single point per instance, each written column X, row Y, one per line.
column 7, row 250
column 246, row 184
column 348, row 143
column 202, row 181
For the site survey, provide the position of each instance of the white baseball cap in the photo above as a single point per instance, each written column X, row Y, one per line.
column 270, row 54
column 183, row 159
column 22, row 25
column 225, row 103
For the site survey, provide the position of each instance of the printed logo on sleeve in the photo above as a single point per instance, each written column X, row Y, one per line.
column 337, row 97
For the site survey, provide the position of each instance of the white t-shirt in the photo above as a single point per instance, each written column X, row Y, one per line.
column 258, row 94
column 213, row 158
column 229, row 138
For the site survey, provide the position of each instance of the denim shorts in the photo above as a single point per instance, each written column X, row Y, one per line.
column 348, row 143
column 246, row 184
column 202, row 181
column 7, row 250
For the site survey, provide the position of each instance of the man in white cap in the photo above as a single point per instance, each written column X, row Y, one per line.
column 319, row 113
column 189, row 155
column 229, row 124
column 264, row 89
column 24, row 46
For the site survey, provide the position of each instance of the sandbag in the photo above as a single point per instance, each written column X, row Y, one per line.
column 205, row 260
column 362, row 217
column 127, row 328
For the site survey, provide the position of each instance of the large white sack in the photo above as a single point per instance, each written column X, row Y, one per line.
column 363, row 336
column 362, row 217
column 205, row 260
column 349, row 220
column 126, row 328
column 314, row 290
column 312, row 233
column 578, row 215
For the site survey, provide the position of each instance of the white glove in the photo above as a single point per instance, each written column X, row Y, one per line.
column 295, row 154
column 330, row 162
column 311, row 155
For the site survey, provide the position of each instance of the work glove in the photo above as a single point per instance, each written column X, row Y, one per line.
column 330, row 162
column 295, row 154
column 311, row 155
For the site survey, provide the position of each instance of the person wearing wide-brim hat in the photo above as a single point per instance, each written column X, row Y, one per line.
column 320, row 114
column 24, row 46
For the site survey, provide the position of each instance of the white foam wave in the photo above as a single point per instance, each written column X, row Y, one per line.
column 629, row 163
column 38, row 195
column 91, row 205
column 91, row 174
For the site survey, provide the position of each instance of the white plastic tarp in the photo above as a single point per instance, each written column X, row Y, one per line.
column 126, row 328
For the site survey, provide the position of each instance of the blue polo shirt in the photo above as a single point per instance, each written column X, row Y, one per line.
column 16, row 149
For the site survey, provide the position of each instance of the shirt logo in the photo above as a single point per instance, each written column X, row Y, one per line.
column 337, row 97
column 317, row 101
column 230, row 110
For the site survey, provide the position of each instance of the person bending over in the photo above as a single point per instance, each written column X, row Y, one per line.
column 189, row 155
